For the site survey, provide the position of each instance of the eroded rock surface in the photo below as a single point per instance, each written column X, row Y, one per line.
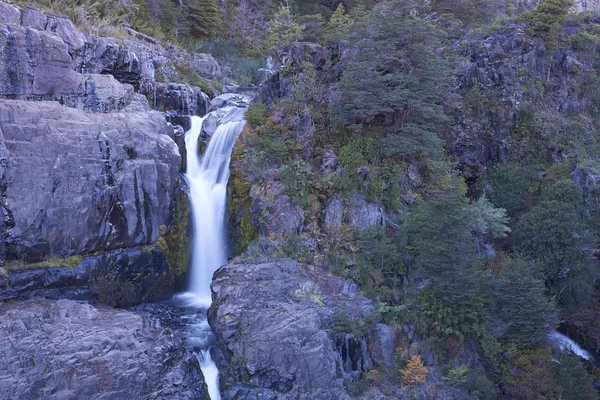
column 69, row 350
column 273, row 322
column 76, row 183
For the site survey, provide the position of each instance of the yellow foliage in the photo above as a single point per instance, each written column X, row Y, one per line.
column 415, row 372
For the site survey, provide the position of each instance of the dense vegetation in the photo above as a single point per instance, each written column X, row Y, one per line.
column 485, row 259
column 483, row 256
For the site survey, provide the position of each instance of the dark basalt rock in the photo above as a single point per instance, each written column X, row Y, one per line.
column 274, row 322
column 120, row 278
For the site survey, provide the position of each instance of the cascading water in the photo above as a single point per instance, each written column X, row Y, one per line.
column 567, row 344
column 207, row 178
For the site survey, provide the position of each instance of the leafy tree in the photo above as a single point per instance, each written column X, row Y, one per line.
column 556, row 233
column 521, row 304
column 339, row 25
column 487, row 218
column 575, row 381
column 283, row 30
column 382, row 252
column 204, row 18
column 547, row 19
column 394, row 79
column 511, row 187
column 446, row 251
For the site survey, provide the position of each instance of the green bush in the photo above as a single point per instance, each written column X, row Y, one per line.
column 257, row 114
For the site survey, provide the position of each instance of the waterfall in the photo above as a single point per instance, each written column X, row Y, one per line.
column 207, row 178
column 565, row 343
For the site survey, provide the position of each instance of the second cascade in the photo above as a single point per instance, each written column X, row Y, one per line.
column 207, row 178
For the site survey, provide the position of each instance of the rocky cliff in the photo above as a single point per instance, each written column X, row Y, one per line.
column 87, row 166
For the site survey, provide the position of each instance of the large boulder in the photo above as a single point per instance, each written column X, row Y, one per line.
column 68, row 350
column 273, row 322
column 77, row 183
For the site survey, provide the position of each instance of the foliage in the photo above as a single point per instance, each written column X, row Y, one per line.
column 547, row 19
column 297, row 181
column 382, row 252
column 398, row 88
column 556, row 233
column 487, row 218
column 511, row 187
column 339, row 25
column 282, row 30
column 458, row 375
column 533, row 378
column 575, row 381
column 204, row 17
column 521, row 304
column 415, row 373
column 256, row 114
column 445, row 249
column 583, row 40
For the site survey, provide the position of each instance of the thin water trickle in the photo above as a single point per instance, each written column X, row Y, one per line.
column 207, row 178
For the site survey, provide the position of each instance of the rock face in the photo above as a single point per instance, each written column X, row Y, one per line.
column 76, row 183
column 120, row 278
column 68, row 350
column 47, row 58
column 272, row 321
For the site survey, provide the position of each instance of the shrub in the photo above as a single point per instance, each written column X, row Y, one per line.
column 415, row 373
column 257, row 114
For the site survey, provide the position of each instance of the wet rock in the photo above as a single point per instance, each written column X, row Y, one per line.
column 333, row 215
column 386, row 346
column 206, row 65
column 66, row 30
column 65, row 349
column 76, row 183
column 36, row 65
column 273, row 322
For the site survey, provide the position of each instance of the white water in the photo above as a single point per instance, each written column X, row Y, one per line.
column 207, row 178
column 568, row 344
column 210, row 372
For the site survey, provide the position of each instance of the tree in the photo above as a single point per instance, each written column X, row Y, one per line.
column 521, row 304
column 394, row 80
column 575, row 381
column 446, row 252
column 339, row 25
column 556, row 233
column 415, row 373
column 547, row 19
column 282, row 31
column 204, row 18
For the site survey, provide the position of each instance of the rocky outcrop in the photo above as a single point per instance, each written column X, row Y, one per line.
column 120, row 278
column 292, row 56
column 177, row 98
column 274, row 213
column 507, row 75
column 76, row 183
column 68, row 350
column 274, row 322
column 48, row 58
